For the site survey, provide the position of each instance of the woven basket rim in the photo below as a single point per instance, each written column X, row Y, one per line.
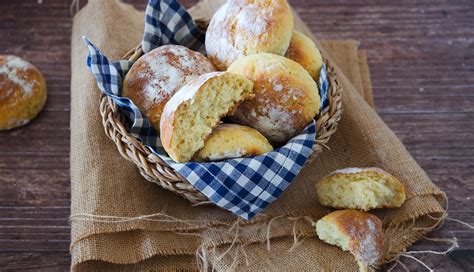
column 155, row 170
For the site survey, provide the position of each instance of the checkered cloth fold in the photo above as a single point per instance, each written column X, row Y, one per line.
column 244, row 186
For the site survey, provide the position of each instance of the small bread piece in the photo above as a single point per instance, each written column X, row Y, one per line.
column 360, row 188
column 190, row 115
column 286, row 97
column 354, row 231
column 244, row 27
column 229, row 141
column 22, row 92
column 159, row 74
column 303, row 50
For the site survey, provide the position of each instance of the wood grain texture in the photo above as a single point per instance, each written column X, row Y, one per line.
column 421, row 56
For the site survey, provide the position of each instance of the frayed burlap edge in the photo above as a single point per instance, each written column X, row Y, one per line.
column 412, row 230
column 398, row 237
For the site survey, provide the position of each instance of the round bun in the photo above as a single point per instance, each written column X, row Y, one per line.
column 243, row 27
column 22, row 92
column 229, row 141
column 360, row 188
column 354, row 231
column 190, row 115
column 159, row 74
column 286, row 97
column 303, row 50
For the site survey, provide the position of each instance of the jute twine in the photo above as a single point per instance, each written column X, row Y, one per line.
column 74, row 7
column 236, row 249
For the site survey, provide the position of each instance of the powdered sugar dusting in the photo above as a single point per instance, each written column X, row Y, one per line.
column 218, row 36
column 253, row 19
column 276, row 109
column 274, row 119
column 350, row 170
column 278, row 87
column 240, row 28
column 353, row 170
column 13, row 65
column 167, row 69
column 368, row 247
column 164, row 79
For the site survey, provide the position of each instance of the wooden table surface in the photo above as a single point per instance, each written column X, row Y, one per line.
column 421, row 56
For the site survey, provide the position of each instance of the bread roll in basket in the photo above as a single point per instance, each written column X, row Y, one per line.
column 155, row 170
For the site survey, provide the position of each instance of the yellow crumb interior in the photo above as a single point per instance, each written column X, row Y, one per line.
column 330, row 233
column 203, row 113
column 359, row 193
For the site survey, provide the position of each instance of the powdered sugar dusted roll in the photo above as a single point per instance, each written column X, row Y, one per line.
column 286, row 97
column 22, row 92
column 159, row 74
column 243, row 27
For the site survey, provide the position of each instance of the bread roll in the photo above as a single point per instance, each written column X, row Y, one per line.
column 286, row 97
column 229, row 141
column 244, row 27
column 22, row 92
column 303, row 50
column 190, row 115
column 159, row 74
column 360, row 188
column 354, row 231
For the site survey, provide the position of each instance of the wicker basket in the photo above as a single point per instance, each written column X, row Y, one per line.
column 155, row 170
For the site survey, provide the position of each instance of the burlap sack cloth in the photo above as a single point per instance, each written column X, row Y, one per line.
column 104, row 184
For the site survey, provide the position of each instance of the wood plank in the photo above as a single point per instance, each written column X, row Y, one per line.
column 35, row 261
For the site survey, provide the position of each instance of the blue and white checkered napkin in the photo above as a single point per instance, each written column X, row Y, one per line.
column 243, row 186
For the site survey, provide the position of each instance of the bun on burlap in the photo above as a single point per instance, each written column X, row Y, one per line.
column 229, row 141
column 354, row 231
column 360, row 188
column 286, row 97
column 22, row 92
column 159, row 74
column 303, row 50
column 190, row 115
column 244, row 27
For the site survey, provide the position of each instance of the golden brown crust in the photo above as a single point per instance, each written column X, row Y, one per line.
column 286, row 97
column 159, row 74
column 229, row 141
column 243, row 27
column 166, row 132
column 303, row 50
column 22, row 92
column 364, row 231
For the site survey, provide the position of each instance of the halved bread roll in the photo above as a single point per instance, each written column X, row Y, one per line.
column 190, row 115
column 360, row 188
column 354, row 231
column 229, row 141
